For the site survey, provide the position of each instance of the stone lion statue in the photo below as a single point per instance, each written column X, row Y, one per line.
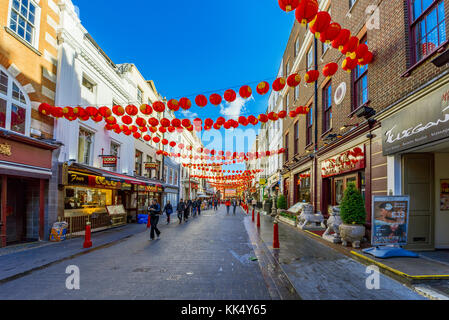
column 308, row 219
column 333, row 224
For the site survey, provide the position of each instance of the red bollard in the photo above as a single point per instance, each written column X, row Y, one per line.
column 275, row 235
column 258, row 219
column 149, row 222
column 253, row 215
column 87, row 240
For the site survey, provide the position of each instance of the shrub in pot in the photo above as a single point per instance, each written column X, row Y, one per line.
column 282, row 202
column 353, row 215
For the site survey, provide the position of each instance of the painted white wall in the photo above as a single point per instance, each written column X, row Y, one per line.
column 441, row 217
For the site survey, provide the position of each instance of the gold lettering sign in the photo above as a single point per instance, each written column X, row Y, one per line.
column 5, row 149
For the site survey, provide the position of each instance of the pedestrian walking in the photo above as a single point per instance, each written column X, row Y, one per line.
column 187, row 210
column 234, row 205
column 154, row 211
column 228, row 205
column 168, row 209
column 194, row 207
column 215, row 204
column 180, row 209
column 198, row 206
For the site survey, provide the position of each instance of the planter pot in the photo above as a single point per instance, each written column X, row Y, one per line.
column 352, row 233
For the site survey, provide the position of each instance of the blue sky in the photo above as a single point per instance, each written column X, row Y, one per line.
column 193, row 47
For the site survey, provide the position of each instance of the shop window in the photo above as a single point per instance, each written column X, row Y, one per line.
column 14, row 111
column 309, row 126
column 302, row 187
column 171, row 176
column 85, row 143
column 81, row 198
column 327, row 107
column 88, row 84
column 138, row 165
column 175, row 179
column 139, row 95
column 360, row 84
column 23, row 20
column 115, row 151
column 428, row 27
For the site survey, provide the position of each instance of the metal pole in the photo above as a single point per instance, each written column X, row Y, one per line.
column 316, row 130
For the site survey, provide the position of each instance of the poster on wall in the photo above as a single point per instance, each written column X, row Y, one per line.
column 390, row 220
column 444, row 195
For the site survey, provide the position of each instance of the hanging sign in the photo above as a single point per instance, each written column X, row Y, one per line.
column 151, row 165
column 444, row 195
column 109, row 161
column 390, row 220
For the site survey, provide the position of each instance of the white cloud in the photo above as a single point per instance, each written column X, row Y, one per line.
column 189, row 114
column 235, row 108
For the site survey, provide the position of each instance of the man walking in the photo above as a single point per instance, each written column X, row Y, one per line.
column 194, row 202
column 180, row 209
column 215, row 204
column 168, row 209
column 187, row 210
column 198, row 206
column 234, row 204
column 155, row 212
column 228, row 205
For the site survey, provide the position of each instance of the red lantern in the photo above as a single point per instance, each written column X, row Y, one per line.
column 162, row 130
column 176, row 123
column 172, row 144
column 201, row 100
column 164, row 142
column 185, row 123
column 273, row 116
column 137, row 135
column 245, row 92
column 173, row 104
column 209, row 122
column 159, row 106
column 216, row 126
column 230, row 95
column 143, row 129
column 292, row 114
column 45, row 109
column 349, row 64
column 110, row 120
column 278, row 84
column 293, row 80
column 141, row 122
column 330, row 69
column 171, row 129
column 153, row 129
column 92, row 111
column 331, row 33
column 350, row 47
column 263, row 88
column 146, row 109
column 133, row 128
column 165, row 122
column 185, row 103
column 118, row 110
column 288, row 5
column 282, row 114
column 263, row 118
column 153, row 122
column 146, row 137
column 341, row 39
column 215, row 99
column 105, row 112
column 366, row 59
column 306, row 11
column 131, row 110
column 220, row 121
column 361, row 51
column 312, row 76
column 156, row 139
column 127, row 119
column 320, row 23
column 71, row 116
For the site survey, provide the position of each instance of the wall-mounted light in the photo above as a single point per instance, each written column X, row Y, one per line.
column 349, row 126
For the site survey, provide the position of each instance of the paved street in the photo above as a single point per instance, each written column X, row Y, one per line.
column 210, row 257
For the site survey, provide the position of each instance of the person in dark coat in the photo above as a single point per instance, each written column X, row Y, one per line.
column 154, row 211
column 234, row 205
column 198, row 206
column 168, row 209
column 194, row 204
column 187, row 209
column 181, row 208
column 215, row 204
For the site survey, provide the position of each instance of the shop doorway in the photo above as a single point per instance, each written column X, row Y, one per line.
column 340, row 185
column 418, row 182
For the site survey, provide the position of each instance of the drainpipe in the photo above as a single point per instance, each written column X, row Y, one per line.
column 316, row 132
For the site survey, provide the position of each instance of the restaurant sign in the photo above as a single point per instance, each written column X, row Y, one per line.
column 151, row 165
column 109, row 161
column 348, row 161
column 79, row 179
column 423, row 121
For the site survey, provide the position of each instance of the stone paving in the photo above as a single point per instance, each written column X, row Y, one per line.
column 207, row 258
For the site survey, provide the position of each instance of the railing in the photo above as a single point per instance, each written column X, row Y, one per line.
column 77, row 224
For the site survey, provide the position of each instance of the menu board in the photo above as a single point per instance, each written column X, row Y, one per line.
column 116, row 209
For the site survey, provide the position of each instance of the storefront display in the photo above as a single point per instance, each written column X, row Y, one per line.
column 302, row 186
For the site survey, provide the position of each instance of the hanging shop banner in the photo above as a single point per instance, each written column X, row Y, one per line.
column 348, row 161
column 109, row 161
column 423, row 121
column 444, row 195
column 151, row 165
column 154, row 189
column 390, row 220
column 80, row 179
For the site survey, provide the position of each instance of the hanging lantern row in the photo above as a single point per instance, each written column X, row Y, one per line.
column 321, row 25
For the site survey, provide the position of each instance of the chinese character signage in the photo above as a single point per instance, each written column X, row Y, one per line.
column 390, row 220
column 150, row 165
column 350, row 160
column 444, row 195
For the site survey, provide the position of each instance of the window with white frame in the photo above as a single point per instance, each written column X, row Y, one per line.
column 139, row 95
column 115, row 151
column 85, row 144
column 15, row 112
column 297, row 46
column 23, row 19
column 171, row 176
column 310, row 59
column 88, row 84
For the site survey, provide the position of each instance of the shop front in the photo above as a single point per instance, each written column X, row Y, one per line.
column 25, row 170
column 302, row 186
column 171, row 194
column 274, row 186
column 416, row 141
column 337, row 172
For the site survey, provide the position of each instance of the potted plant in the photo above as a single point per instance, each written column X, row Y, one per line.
column 353, row 215
column 281, row 203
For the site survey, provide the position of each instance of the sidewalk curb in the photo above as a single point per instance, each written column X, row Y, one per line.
column 83, row 252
